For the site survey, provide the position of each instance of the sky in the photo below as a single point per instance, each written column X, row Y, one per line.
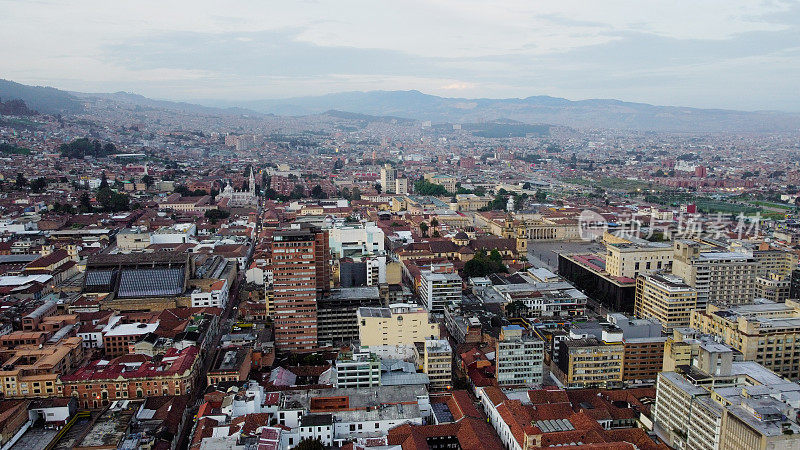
column 736, row 54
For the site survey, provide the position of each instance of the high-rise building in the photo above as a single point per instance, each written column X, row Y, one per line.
column 665, row 297
column 719, row 403
column 519, row 357
column 700, row 171
column 439, row 289
column 388, row 177
column 401, row 186
column 301, row 272
column 765, row 332
column 437, row 363
column 726, row 277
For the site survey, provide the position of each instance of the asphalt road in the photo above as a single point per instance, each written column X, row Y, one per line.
column 225, row 323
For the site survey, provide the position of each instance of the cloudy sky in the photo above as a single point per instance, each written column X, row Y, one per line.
column 742, row 54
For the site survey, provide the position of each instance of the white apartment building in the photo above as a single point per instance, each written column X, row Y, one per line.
column 438, row 289
column 437, row 363
column 356, row 239
column 519, row 358
column 357, row 370
column 388, row 177
column 215, row 295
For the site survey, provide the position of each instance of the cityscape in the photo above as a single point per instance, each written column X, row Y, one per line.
column 393, row 269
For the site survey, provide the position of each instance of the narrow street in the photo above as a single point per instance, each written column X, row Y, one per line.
column 224, row 326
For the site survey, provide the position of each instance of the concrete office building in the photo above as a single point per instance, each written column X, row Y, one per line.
column 773, row 287
column 354, row 240
column 439, row 289
column 630, row 260
column 765, row 332
column 664, row 297
column 337, row 323
column 438, row 364
column 388, row 177
column 401, row 186
column 718, row 403
column 356, row 370
column 518, row 358
column 399, row 324
column 723, row 277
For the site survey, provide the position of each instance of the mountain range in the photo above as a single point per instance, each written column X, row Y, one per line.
column 415, row 105
column 583, row 114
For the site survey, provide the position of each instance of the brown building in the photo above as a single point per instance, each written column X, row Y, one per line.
column 33, row 370
column 133, row 376
column 230, row 364
column 301, row 272
column 643, row 358
column 118, row 337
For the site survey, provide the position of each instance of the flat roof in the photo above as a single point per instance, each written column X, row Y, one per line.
column 367, row 311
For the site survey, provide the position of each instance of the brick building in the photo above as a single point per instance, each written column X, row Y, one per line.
column 301, row 272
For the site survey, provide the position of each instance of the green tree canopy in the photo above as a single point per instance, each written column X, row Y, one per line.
column 82, row 147
column 424, row 187
column 482, row 264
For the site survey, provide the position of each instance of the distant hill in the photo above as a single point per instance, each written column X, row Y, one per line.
column 140, row 100
column 45, row 100
column 595, row 113
column 366, row 117
column 511, row 116
column 15, row 107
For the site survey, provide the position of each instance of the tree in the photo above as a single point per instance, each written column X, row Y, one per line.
column 65, row 208
column 104, row 196
column 318, row 193
column 424, row 187
column 39, row 184
column 541, row 195
column 13, row 149
column 85, row 202
column 423, row 228
column 216, row 214
column 338, row 164
column 298, row 192
column 482, row 264
column 103, row 181
column 526, row 186
column 120, row 202
column 80, row 148
column 378, row 188
column 21, row 181
column 434, row 222
column 148, row 181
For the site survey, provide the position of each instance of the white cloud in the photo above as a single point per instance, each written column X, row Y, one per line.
column 476, row 45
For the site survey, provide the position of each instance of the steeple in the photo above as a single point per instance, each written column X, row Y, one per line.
column 252, row 182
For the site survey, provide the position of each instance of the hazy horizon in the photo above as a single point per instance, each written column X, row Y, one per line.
column 738, row 54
